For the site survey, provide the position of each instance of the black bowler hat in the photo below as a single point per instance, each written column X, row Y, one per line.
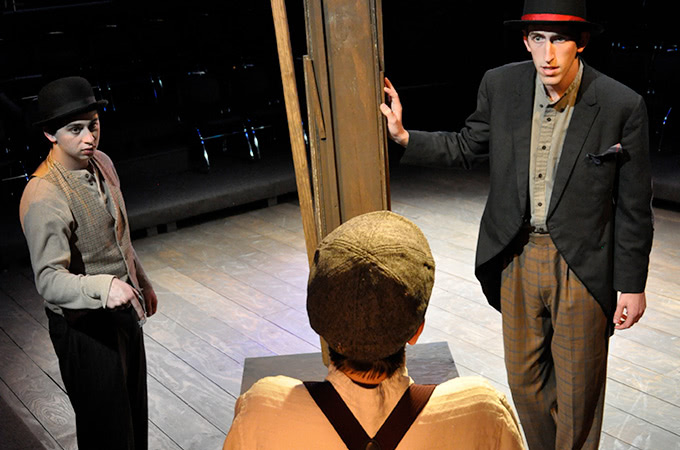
column 555, row 12
column 65, row 97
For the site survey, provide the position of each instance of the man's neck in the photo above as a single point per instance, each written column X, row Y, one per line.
column 68, row 163
column 365, row 377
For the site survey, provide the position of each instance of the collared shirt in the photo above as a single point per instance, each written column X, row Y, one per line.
column 463, row 413
column 549, row 126
column 77, row 234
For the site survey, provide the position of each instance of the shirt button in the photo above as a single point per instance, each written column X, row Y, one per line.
column 548, row 119
column 540, row 203
column 540, row 175
column 544, row 147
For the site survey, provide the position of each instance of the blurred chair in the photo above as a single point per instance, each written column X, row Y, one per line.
column 204, row 109
column 15, row 155
column 257, row 97
column 141, row 117
column 665, row 73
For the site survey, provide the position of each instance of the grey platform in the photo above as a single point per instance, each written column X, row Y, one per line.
column 429, row 363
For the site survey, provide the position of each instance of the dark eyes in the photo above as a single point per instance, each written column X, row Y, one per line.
column 76, row 130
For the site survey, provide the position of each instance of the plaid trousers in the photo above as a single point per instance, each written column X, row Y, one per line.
column 556, row 342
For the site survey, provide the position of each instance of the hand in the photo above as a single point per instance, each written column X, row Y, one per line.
column 150, row 300
column 393, row 115
column 122, row 295
column 629, row 310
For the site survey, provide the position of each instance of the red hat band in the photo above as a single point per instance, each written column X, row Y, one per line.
column 552, row 18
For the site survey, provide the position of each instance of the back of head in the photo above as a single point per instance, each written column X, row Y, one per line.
column 369, row 285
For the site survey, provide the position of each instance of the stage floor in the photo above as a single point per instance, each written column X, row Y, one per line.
column 234, row 288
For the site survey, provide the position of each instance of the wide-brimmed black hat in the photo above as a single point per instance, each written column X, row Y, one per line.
column 555, row 12
column 65, row 97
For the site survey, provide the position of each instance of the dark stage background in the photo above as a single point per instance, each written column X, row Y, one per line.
column 167, row 66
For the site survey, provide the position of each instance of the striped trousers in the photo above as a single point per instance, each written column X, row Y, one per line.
column 103, row 365
column 555, row 339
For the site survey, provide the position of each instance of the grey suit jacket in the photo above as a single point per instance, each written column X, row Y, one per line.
column 599, row 217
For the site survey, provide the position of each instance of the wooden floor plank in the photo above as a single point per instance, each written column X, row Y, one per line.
column 37, row 392
column 193, row 385
column 30, row 337
column 20, row 287
column 159, row 440
column 186, row 350
column 637, row 432
column 660, row 386
column 234, row 287
column 251, row 325
column 179, row 421
column 32, row 423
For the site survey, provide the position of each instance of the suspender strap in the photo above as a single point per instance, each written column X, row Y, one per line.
column 350, row 430
column 338, row 414
column 403, row 415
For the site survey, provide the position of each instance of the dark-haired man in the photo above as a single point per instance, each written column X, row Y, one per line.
column 568, row 220
column 96, row 293
column 369, row 287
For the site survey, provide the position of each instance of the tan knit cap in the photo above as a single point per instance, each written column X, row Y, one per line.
column 369, row 285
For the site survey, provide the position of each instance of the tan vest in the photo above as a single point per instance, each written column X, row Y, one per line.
column 100, row 242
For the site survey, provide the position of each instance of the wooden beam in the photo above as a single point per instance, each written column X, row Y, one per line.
column 297, row 141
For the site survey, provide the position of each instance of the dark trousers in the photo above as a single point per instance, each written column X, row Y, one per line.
column 103, row 366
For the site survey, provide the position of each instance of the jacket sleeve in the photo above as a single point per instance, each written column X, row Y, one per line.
column 633, row 221
column 465, row 148
column 47, row 224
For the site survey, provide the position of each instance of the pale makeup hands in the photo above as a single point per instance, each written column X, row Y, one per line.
column 393, row 115
column 629, row 309
column 122, row 295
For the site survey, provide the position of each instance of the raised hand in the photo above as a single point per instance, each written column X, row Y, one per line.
column 393, row 115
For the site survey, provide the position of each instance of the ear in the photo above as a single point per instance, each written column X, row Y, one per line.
column 415, row 337
column 585, row 38
column 526, row 42
column 50, row 137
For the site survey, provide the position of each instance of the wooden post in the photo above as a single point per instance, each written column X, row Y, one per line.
column 297, row 140
column 344, row 86
column 344, row 82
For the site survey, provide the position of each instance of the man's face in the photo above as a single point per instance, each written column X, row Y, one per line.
column 74, row 143
column 554, row 53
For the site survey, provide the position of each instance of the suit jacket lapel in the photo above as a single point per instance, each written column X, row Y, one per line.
column 585, row 111
column 523, row 105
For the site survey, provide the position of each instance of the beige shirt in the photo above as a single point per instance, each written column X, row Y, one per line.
column 463, row 413
column 68, row 274
column 549, row 126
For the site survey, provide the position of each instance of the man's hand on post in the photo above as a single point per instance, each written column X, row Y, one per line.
column 122, row 295
column 629, row 309
column 393, row 115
